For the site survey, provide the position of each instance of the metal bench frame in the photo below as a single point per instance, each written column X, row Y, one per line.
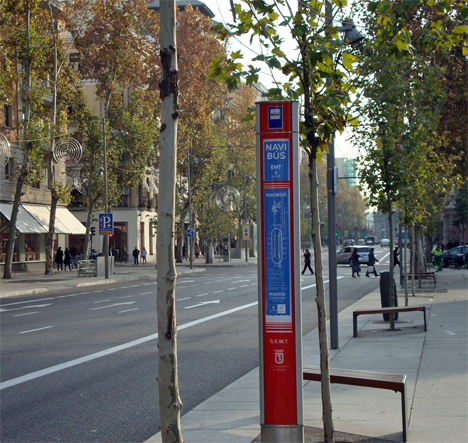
column 386, row 311
column 376, row 380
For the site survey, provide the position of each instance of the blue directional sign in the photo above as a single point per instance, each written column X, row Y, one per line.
column 190, row 233
column 106, row 224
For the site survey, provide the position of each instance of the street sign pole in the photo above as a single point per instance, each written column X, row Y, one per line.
column 279, row 284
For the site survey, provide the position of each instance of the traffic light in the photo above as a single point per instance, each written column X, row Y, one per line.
column 93, row 230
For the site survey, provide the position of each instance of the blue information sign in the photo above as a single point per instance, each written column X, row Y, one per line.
column 190, row 233
column 277, row 252
column 276, row 159
column 106, row 224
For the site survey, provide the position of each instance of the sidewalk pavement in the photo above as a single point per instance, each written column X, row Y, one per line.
column 435, row 363
column 35, row 282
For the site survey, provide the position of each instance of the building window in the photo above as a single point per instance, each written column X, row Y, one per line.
column 8, row 116
column 9, row 170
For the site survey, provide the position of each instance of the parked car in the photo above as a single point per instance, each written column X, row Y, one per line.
column 452, row 255
column 369, row 242
column 384, row 242
column 361, row 242
column 349, row 242
column 343, row 257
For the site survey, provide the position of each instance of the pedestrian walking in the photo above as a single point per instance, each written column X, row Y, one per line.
column 144, row 253
column 437, row 257
column 184, row 251
column 396, row 253
column 67, row 260
column 355, row 263
column 196, row 250
column 59, row 258
column 136, row 254
column 73, row 255
column 371, row 263
column 307, row 257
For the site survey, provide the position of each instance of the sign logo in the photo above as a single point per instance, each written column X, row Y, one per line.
column 246, row 232
column 279, row 356
column 275, row 117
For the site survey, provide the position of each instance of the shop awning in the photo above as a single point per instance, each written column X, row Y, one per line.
column 70, row 221
column 65, row 221
column 25, row 223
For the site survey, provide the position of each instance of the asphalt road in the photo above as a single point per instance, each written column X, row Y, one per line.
column 80, row 366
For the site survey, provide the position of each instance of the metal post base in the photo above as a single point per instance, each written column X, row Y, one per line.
column 282, row 433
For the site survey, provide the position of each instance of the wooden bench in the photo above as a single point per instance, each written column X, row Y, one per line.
column 392, row 382
column 423, row 276
column 359, row 312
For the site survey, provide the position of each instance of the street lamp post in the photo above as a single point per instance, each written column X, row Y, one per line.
column 245, row 221
column 106, row 236
column 190, row 208
column 106, row 207
column 351, row 35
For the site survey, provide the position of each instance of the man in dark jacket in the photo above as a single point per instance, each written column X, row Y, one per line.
column 371, row 262
column 136, row 253
column 307, row 262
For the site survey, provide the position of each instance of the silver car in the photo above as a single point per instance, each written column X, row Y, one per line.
column 343, row 257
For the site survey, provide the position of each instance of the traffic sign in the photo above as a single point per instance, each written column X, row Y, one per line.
column 190, row 233
column 246, row 232
column 106, row 224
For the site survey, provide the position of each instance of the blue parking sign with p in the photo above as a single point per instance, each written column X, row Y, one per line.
column 106, row 224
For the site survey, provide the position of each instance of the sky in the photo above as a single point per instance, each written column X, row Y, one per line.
column 223, row 14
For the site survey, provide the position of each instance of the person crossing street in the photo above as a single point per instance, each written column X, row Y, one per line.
column 307, row 257
column 371, row 263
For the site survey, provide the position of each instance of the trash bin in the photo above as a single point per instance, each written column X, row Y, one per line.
column 207, row 257
column 226, row 255
column 385, row 294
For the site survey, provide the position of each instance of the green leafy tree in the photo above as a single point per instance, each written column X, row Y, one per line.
column 25, row 41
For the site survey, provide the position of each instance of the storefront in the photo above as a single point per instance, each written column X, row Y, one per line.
column 32, row 225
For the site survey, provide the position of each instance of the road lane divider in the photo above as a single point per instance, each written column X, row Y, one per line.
column 35, row 330
column 104, row 353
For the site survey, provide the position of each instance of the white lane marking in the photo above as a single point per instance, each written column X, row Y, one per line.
column 27, row 313
column 126, row 296
column 243, row 286
column 202, row 303
column 133, row 286
column 87, row 358
column 312, row 286
column 100, row 290
column 146, row 293
column 102, row 301
column 34, row 330
column 114, row 304
column 182, row 299
column 201, row 295
column 239, row 281
column 66, row 296
column 217, row 292
column 128, row 310
column 230, row 289
column 25, row 307
column 187, row 281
